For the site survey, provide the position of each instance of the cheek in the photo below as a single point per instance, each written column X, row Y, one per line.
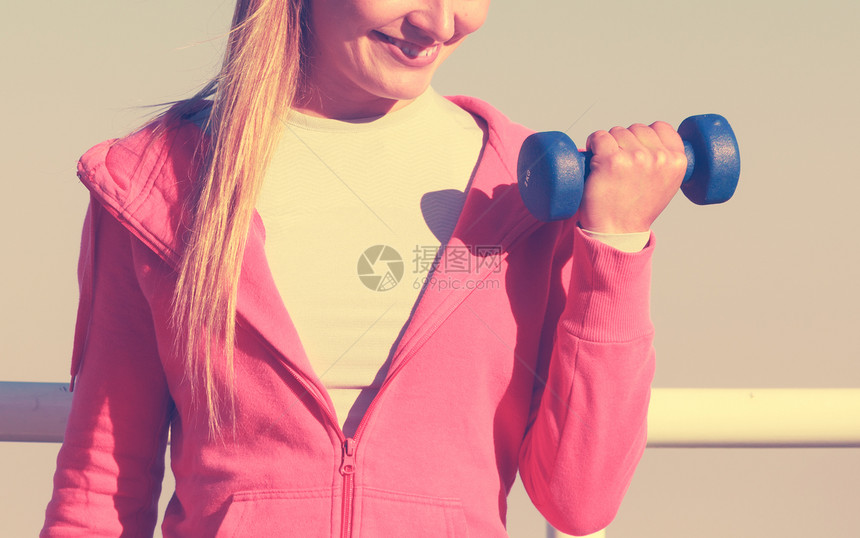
column 333, row 23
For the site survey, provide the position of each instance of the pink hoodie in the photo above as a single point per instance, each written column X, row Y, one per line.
column 546, row 371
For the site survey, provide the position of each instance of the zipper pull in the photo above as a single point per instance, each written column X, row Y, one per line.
column 347, row 466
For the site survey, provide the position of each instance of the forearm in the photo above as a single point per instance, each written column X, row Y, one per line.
column 589, row 430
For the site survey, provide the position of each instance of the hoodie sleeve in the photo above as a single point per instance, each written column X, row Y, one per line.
column 111, row 464
column 588, row 428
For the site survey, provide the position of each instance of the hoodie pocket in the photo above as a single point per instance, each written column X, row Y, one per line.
column 278, row 513
column 393, row 515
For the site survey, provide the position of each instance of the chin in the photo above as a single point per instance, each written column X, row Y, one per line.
column 406, row 90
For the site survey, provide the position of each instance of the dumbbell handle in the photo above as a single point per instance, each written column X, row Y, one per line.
column 552, row 171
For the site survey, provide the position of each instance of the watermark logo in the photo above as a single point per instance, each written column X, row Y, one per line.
column 380, row 268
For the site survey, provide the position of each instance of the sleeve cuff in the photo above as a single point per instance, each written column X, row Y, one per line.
column 609, row 295
column 632, row 242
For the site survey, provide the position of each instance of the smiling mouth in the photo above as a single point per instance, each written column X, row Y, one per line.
column 410, row 49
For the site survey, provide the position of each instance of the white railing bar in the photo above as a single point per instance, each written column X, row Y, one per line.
column 678, row 417
column 34, row 411
column 762, row 418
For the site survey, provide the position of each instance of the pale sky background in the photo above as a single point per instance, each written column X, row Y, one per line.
column 759, row 292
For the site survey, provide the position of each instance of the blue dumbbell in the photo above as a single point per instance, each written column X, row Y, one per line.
column 551, row 171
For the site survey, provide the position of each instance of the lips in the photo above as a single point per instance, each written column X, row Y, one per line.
column 411, row 50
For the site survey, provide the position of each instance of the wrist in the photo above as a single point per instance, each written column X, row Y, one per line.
column 625, row 242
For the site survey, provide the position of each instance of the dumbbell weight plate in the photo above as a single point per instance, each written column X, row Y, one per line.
column 550, row 171
column 716, row 161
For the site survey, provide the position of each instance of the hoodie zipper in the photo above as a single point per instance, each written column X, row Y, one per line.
column 347, row 469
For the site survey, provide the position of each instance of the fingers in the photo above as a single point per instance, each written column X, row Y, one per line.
column 638, row 136
column 602, row 143
column 668, row 136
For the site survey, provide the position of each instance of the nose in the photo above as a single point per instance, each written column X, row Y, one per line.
column 435, row 19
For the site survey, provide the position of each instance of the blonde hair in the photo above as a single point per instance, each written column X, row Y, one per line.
column 261, row 75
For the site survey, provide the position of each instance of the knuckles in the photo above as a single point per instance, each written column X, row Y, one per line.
column 597, row 136
column 641, row 149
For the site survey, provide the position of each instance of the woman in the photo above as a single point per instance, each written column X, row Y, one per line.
column 406, row 408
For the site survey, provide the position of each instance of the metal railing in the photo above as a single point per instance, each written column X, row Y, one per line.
column 677, row 417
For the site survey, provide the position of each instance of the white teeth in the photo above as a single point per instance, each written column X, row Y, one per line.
column 411, row 51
